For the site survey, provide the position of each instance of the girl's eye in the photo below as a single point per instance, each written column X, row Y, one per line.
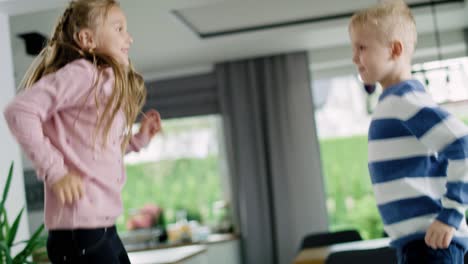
column 362, row 48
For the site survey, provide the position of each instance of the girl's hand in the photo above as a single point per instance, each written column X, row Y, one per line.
column 151, row 123
column 69, row 189
column 439, row 235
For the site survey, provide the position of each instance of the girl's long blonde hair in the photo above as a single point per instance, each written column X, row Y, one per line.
column 129, row 92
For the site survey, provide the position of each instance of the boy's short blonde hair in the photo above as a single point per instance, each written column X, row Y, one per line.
column 392, row 19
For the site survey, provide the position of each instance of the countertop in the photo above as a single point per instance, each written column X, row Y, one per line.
column 212, row 239
column 166, row 256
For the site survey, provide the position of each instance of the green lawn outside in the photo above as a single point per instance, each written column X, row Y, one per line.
column 350, row 200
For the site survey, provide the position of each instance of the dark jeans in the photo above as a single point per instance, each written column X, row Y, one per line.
column 418, row 252
column 83, row 246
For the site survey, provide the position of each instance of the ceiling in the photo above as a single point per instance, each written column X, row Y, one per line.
column 172, row 37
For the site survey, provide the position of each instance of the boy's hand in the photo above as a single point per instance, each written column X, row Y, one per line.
column 151, row 123
column 69, row 189
column 439, row 235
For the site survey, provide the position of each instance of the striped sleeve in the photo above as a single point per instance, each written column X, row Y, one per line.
column 447, row 136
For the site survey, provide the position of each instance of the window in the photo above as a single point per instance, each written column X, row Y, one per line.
column 178, row 171
column 342, row 116
column 447, row 82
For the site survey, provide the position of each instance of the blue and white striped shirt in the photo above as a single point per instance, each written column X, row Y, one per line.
column 418, row 162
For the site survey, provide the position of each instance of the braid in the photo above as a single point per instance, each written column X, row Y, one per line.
column 62, row 48
column 61, row 25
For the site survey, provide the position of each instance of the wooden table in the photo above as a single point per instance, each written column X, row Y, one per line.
column 319, row 255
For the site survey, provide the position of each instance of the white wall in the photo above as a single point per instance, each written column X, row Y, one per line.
column 9, row 150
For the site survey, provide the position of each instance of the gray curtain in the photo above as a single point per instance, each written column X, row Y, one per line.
column 273, row 154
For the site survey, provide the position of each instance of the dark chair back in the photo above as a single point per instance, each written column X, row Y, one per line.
column 325, row 239
column 385, row 255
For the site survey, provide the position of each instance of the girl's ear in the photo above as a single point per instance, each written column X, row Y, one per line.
column 396, row 49
column 86, row 39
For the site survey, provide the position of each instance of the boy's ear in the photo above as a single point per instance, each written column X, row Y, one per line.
column 396, row 49
column 85, row 39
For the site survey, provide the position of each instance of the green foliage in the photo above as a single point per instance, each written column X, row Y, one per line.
column 350, row 200
column 189, row 184
column 8, row 232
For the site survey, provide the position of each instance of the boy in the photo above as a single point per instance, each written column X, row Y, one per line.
column 417, row 151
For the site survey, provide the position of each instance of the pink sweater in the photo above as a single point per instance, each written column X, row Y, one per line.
column 54, row 122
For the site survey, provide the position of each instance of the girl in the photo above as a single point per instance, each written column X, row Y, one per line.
column 73, row 120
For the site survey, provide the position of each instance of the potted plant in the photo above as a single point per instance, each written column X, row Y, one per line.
column 8, row 233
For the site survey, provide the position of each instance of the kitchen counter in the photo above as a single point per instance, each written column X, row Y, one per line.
column 216, row 247
column 167, row 256
column 212, row 239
